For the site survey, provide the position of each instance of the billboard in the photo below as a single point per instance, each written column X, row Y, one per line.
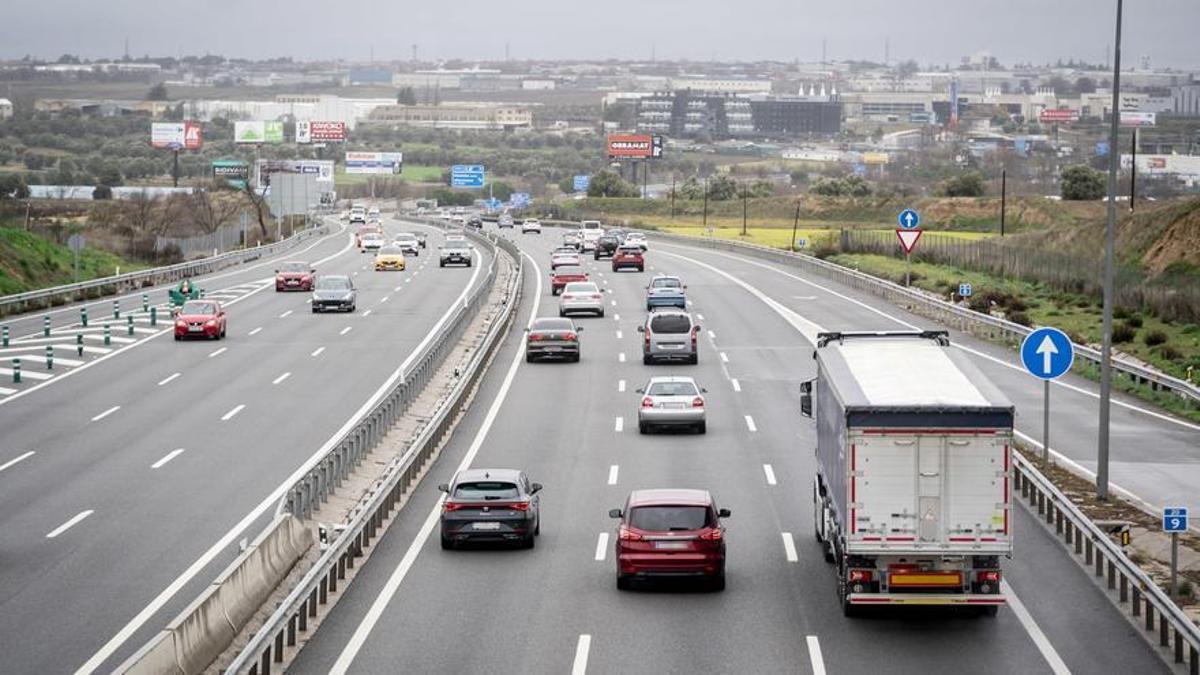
column 1058, row 115
column 634, row 146
column 321, row 168
column 176, row 135
column 258, row 132
column 234, row 171
column 327, row 132
column 581, row 183
column 386, row 163
column 1138, row 119
column 875, row 158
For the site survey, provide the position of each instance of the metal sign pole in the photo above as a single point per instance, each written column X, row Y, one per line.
column 907, row 268
column 1046, row 421
column 1174, row 561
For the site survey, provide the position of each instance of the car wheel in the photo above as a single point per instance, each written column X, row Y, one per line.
column 468, row 264
column 315, row 310
column 643, row 428
column 352, row 308
column 178, row 338
column 528, row 357
column 694, row 359
column 702, row 428
column 441, row 263
column 596, row 257
column 447, row 544
column 647, row 360
column 529, row 542
column 641, row 269
column 575, row 359
column 537, row 530
column 561, row 313
column 717, row 583
column 223, row 330
column 601, row 315
column 624, row 582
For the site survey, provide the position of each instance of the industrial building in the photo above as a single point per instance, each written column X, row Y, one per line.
column 689, row 114
column 455, row 115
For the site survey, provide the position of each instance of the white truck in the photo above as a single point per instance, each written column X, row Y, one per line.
column 912, row 499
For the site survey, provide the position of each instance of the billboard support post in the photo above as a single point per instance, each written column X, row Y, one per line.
column 706, row 202
column 1132, row 172
column 175, row 168
column 1109, row 274
column 672, row 196
column 1003, row 197
column 745, row 197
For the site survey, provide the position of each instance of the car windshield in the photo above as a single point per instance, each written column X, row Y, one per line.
column 391, row 250
column 333, row 284
column 294, row 267
column 553, row 324
column 486, row 490
column 579, row 287
column 666, row 282
column 672, row 389
column 198, row 307
column 670, row 323
column 669, row 518
column 456, row 248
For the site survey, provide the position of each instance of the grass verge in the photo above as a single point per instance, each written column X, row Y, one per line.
column 29, row 262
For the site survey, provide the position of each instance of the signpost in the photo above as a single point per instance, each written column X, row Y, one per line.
column 76, row 243
column 581, row 183
column 908, row 234
column 467, row 176
column 1175, row 520
column 1047, row 353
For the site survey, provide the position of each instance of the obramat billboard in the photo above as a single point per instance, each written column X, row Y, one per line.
column 634, row 146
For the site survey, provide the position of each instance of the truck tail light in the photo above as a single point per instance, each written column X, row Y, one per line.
column 988, row 576
column 860, row 576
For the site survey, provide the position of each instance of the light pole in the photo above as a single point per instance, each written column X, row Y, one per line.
column 706, row 202
column 745, row 195
column 1109, row 273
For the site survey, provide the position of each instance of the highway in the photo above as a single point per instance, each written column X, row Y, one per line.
column 126, row 484
column 572, row 427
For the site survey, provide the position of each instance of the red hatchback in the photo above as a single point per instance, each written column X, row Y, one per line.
column 670, row 534
column 565, row 274
column 200, row 318
column 294, row 276
column 628, row 256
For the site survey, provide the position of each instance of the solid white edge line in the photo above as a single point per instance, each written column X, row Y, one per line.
column 582, row 648
column 789, row 547
column 106, row 413
column 601, row 546
column 282, row 377
column 230, row 415
column 619, row 424
column 168, row 379
column 19, row 458
column 750, row 423
column 769, row 471
column 166, row 458
column 614, row 472
column 364, row 628
column 69, row 524
column 1035, row 632
column 724, row 357
column 737, row 386
column 815, row 659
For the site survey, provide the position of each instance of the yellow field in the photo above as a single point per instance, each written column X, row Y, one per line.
column 781, row 237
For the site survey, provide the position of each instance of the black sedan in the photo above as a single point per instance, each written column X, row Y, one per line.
column 490, row 505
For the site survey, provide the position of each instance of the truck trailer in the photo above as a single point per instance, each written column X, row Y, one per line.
column 912, row 497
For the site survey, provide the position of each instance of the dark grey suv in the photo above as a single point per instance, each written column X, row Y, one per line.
column 490, row 505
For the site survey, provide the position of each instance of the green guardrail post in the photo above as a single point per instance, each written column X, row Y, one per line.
column 145, row 302
column 46, row 326
column 153, row 316
column 4, row 337
column 83, row 316
column 79, row 344
column 107, row 335
column 116, row 309
column 129, row 322
column 49, row 357
column 16, row 368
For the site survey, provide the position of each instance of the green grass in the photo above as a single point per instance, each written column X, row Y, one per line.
column 777, row 236
column 29, row 262
column 414, row 173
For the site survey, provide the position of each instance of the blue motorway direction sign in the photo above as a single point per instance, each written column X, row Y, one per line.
column 581, row 183
column 520, row 200
column 466, row 175
column 909, row 219
column 1175, row 519
column 1047, row 353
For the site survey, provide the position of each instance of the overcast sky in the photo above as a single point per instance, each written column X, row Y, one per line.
column 930, row 31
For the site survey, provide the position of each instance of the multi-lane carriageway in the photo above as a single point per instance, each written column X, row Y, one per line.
column 127, row 482
column 153, row 536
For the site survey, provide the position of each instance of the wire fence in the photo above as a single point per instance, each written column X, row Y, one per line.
column 225, row 238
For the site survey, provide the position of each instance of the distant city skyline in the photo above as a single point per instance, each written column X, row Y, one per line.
column 927, row 31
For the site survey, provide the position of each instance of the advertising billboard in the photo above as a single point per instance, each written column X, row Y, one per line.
column 384, row 163
column 322, row 168
column 875, row 158
column 234, row 171
column 1138, row 119
column 258, row 132
column 634, row 146
column 321, row 132
column 1058, row 115
column 176, row 135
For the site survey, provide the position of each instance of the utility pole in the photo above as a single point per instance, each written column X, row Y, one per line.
column 1109, row 272
column 1003, row 197
column 795, row 224
column 1133, row 173
column 706, row 202
column 175, row 169
column 672, row 196
column 745, row 195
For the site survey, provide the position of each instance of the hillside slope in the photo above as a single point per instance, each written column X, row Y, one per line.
column 29, row 262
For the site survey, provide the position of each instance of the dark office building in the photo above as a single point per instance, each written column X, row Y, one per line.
column 689, row 114
column 794, row 117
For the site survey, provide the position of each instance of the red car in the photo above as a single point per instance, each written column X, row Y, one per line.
column 294, row 276
column 565, row 274
column 200, row 318
column 628, row 256
column 670, row 534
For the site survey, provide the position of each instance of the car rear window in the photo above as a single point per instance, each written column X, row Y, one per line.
column 666, row 283
column 672, row 389
column 569, row 269
column 670, row 323
column 581, row 287
column 391, row 250
column 333, row 283
column 486, row 490
column 669, row 518
column 553, row 324
column 294, row 267
column 630, row 250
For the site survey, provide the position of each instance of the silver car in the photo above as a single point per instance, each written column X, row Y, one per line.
column 671, row 402
column 670, row 335
column 581, row 296
column 408, row 243
column 334, row 292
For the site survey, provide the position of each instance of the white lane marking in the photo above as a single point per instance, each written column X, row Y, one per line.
column 345, row 330
column 417, row 272
column 815, row 659
column 712, row 335
column 579, row 666
column 219, row 352
column 384, row 299
column 69, row 524
column 367, row 313
column 106, row 413
column 282, row 377
column 614, row 303
column 769, row 471
column 789, row 547
column 616, row 317
column 168, row 379
column 700, row 317
column 750, row 423
column 621, row 357
column 724, row 358
column 286, row 314
column 5, row 391
column 40, row 358
column 619, row 424
column 397, row 289
column 166, row 458
column 229, row 415
column 29, row 454
column 1035, row 633
column 364, row 628
column 29, row 374
column 737, row 386
column 601, row 547
column 408, row 280
column 613, row 472
column 317, row 351
column 255, row 331
column 620, row 385
column 620, row 335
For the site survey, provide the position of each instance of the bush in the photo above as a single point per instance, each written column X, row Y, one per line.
column 1155, row 338
column 969, row 184
column 1021, row 318
column 1170, row 353
column 1123, row 333
column 1120, row 312
column 1016, row 305
column 1082, row 183
column 1135, row 321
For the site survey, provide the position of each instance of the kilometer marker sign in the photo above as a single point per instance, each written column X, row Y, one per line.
column 908, row 239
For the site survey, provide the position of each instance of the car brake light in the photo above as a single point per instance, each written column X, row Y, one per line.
column 647, row 402
column 626, row 534
column 860, row 576
column 451, row 506
column 569, row 337
column 992, row 576
column 536, row 337
column 697, row 402
column 712, row 535
column 515, row 506
column 596, row 296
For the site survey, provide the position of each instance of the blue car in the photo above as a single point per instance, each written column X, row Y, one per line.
column 665, row 291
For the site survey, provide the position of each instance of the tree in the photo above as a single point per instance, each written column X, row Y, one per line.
column 501, row 190
column 157, row 93
column 969, row 184
column 102, row 192
column 109, row 176
column 12, row 186
column 723, row 188
column 1081, row 182
column 406, row 96
column 1085, row 85
column 609, row 184
column 210, row 211
column 906, row 69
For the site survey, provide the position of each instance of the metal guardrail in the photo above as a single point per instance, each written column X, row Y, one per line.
column 311, row 594
column 1136, row 591
column 48, row 297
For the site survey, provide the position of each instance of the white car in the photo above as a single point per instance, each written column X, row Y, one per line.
column 671, row 402
column 409, row 244
column 531, row 225
column 635, row 239
column 373, row 213
column 581, row 296
column 372, row 241
column 590, row 237
column 560, row 258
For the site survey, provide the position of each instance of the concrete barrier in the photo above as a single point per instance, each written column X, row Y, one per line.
column 203, row 630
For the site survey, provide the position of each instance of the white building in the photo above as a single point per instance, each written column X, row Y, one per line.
column 301, row 107
column 6, row 109
column 724, row 86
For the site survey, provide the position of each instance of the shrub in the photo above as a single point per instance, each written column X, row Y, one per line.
column 1123, row 333
column 1155, row 338
column 1135, row 321
column 1016, row 305
column 1020, row 317
column 1170, row 353
column 1120, row 312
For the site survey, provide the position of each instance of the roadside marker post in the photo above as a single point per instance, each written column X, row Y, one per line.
column 116, row 309
column 1175, row 520
column 79, row 344
column 16, row 368
column 1047, row 353
column 46, row 326
column 107, row 335
column 129, row 322
column 153, row 316
column 49, row 357
column 5, row 335
column 83, row 316
column 145, row 302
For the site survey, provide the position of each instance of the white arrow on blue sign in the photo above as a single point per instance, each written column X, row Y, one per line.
column 1047, row 353
column 1175, row 519
column 909, row 219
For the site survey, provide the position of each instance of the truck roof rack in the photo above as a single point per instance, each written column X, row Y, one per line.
column 942, row 337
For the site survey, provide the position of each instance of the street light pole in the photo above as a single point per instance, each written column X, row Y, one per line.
column 745, row 195
column 706, row 202
column 1109, row 272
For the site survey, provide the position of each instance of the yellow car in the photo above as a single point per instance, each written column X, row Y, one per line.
column 389, row 257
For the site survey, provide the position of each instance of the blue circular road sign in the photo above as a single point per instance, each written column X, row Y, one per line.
column 1047, row 353
column 909, row 219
